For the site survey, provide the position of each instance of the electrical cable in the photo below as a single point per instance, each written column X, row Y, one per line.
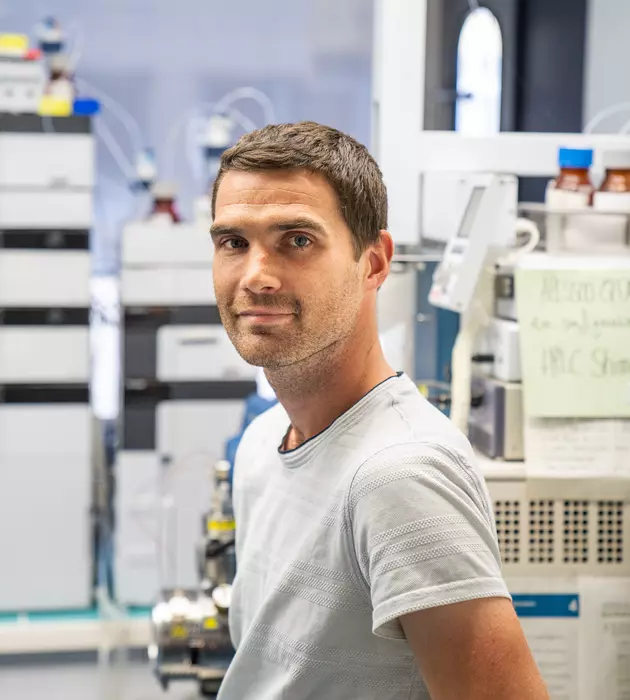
column 250, row 93
column 528, row 227
column 239, row 118
column 170, row 152
column 223, row 106
column 78, row 44
column 115, row 150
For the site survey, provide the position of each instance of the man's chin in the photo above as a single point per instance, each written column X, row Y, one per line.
column 266, row 360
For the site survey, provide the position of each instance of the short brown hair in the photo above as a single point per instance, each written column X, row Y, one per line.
column 346, row 164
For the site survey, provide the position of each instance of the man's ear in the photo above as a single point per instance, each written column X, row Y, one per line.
column 380, row 257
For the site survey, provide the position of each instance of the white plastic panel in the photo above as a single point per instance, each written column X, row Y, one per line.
column 161, row 497
column 44, row 430
column 444, row 197
column 22, row 84
column 199, row 353
column 44, row 278
column 44, row 354
column 160, row 244
column 400, row 28
column 45, row 501
column 137, row 534
column 46, row 160
column 46, row 208
column 165, row 287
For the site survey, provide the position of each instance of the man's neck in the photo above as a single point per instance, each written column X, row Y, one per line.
column 317, row 391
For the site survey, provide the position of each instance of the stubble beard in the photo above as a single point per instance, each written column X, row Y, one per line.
column 306, row 346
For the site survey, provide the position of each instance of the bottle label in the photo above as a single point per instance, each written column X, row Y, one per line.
column 566, row 231
column 565, row 199
column 612, row 201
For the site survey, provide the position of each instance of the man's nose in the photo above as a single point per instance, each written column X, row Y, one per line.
column 261, row 272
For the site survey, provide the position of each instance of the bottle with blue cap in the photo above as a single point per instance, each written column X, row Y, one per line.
column 571, row 190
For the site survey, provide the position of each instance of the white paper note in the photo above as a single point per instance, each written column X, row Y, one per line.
column 605, row 643
column 575, row 337
column 577, row 447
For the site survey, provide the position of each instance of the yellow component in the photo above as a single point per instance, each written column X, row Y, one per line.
column 13, row 43
column 222, row 526
column 179, row 632
column 211, row 623
column 424, row 390
column 54, row 107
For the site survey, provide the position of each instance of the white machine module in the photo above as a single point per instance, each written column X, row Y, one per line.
column 505, row 347
column 184, row 391
column 46, row 427
column 22, row 84
column 488, row 224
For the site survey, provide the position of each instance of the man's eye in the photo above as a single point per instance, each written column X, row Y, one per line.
column 233, row 243
column 301, row 241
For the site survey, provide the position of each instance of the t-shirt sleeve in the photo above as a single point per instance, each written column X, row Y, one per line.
column 423, row 533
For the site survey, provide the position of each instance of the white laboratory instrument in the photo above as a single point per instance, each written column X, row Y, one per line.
column 46, row 427
column 505, row 348
column 488, row 225
column 183, row 391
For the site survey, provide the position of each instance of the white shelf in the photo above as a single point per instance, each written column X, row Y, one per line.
column 27, row 637
column 499, row 468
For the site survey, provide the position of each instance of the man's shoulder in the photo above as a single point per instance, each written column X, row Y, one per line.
column 421, row 466
column 410, row 429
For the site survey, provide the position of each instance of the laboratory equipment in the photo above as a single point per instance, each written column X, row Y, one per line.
column 612, row 197
column 504, row 302
column 572, row 188
column 163, row 208
column 190, row 628
column 183, row 393
column 495, row 424
column 488, row 224
column 571, row 191
column 505, row 349
column 46, row 426
column 22, row 76
column 46, row 173
column 146, row 168
column 50, row 35
column 60, row 85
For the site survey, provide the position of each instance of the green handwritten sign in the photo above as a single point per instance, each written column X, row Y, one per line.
column 575, row 341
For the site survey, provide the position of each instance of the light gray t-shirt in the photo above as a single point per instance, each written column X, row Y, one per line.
column 381, row 514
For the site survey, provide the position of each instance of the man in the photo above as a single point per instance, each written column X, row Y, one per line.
column 368, row 565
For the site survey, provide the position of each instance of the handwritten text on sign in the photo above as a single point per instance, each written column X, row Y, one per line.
column 575, row 341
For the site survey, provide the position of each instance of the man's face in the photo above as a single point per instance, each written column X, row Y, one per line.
column 286, row 279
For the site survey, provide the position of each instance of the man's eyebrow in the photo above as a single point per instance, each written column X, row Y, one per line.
column 308, row 224
column 217, row 230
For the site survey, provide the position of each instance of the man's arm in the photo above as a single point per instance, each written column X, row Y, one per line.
column 474, row 650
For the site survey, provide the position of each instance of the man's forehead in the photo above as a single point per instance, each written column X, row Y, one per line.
column 276, row 188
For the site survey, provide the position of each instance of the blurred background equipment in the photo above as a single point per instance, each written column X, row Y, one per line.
column 183, row 391
column 191, row 632
column 47, row 176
